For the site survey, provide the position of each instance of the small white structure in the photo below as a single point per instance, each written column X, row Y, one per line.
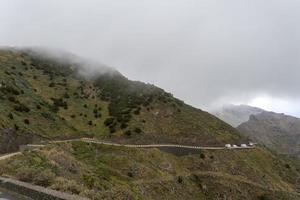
column 234, row 146
column 228, row 145
column 243, row 145
column 252, row 144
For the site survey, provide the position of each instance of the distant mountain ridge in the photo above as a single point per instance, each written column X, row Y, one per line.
column 236, row 114
column 279, row 132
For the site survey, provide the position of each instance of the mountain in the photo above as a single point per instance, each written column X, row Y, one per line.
column 46, row 96
column 277, row 131
column 236, row 114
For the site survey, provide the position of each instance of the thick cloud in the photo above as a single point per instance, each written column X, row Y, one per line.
column 206, row 52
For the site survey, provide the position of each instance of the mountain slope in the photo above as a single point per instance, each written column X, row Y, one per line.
column 45, row 97
column 236, row 114
column 277, row 131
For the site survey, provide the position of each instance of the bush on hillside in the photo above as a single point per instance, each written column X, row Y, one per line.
column 21, row 108
column 137, row 130
column 179, row 179
column 109, row 121
column 10, row 115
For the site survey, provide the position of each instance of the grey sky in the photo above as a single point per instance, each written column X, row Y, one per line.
column 206, row 52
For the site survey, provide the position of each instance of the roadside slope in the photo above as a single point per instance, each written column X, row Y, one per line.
column 111, row 172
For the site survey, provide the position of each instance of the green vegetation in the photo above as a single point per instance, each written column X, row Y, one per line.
column 47, row 97
column 106, row 172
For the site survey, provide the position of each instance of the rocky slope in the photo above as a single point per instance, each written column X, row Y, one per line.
column 236, row 114
column 277, row 131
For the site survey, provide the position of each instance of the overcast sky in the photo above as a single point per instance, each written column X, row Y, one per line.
column 206, row 52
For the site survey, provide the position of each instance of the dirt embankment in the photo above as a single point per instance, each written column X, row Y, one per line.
column 10, row 140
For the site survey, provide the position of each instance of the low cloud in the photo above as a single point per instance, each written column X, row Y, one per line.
column 206, row 52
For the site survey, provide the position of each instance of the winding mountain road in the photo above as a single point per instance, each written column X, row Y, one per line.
column 158, row 145
column 91, row 140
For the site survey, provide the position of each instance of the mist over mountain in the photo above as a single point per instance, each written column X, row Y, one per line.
column 241, row 50
column 122, row 100
column 236, row 114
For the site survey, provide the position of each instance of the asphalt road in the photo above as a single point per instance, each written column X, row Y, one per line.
column 4, row 195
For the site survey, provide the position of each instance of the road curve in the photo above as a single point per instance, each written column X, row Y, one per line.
column 6, row 156
column 159, row 145
column 91, row 140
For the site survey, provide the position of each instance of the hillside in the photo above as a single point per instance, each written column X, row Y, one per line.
column 277, row 131
column 106, row 172
column 48, row 96
column 236, row 114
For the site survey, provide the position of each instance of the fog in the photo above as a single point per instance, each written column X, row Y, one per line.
column 206, row 52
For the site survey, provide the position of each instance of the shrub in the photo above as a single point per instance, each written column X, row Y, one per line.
column 10, row 115
column 12, row 99
column 263, row 197
column 130, row 174
column 137, row 111
column 124, row 125
column 44, row 178
column 21, row 108
column 179, row 179
column 97, row 115
column 287, row 166
column 48, row 116
column 26, row 121
column 137, row 130
column 109, row 121
column 128, row 133
column 90, row 123
column 202, row 155
column 10, row 90
column 59, row 103
column 52, row 84
column 16, row 127
column 112, row 129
